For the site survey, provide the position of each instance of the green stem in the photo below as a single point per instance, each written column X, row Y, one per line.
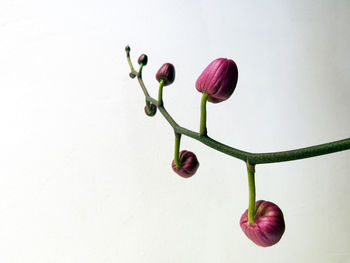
column 139, row 76
column 254, row 158
column 251, row 185
column 130, row 63
column 203, row 122
column 177, row 149
column 140, row 71
column 160, row 93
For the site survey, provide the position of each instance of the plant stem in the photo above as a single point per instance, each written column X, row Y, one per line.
column 130, row 63
column 140, row 71
column 139, row 76
column 254, row 158
column 177, row 149
column 251, row 185
column 160, row 93
column 203, row 122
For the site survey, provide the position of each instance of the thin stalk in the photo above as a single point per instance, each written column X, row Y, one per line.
column 203, row 121
column 251, row 185
column 139, row 76
column 160, row 93
column 130, row 64
column 177, row 149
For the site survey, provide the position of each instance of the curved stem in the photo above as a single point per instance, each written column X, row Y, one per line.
column 130, row 64
column 254, row 158
column 177, row 149
column 203, row 123
column 160, row 93
column 139, row 76
column 140, row 71
column 251, row 185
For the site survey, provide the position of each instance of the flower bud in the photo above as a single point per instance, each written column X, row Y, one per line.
column 188, row 162
column 132, row 75
column 153, row 110
column 166, row 73
column 218, row 79
column 127, row 48
column 268, row 226
column 143, row 59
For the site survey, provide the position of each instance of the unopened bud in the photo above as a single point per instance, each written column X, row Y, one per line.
column 188, row 164
column 127, row 48
column 151, row 110
column 166, row 73
column 268, row 226
column 143, row 59
column 218, row 79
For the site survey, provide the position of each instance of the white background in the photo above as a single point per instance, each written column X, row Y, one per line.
column 85, row 175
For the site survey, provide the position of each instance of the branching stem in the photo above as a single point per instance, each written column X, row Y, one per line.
column 254, row 158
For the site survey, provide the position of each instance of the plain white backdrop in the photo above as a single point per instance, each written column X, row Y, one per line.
column 85, row 175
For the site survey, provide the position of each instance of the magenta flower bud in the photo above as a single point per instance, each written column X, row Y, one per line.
column 143, row 59
column 218, row 79
column 189, row 164
column 268, row 227
column 166, row 73
column 153, row 110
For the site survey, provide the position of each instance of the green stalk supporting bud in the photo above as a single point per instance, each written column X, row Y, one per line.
column 251, row 185
column 177, row 149
column 139, row 74
column 133, row 73
column 160, row 93
column 203, row 122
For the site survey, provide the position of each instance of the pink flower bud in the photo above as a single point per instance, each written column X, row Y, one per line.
column 219, row 80
column 268, row 227
column 166, row 73
column 189, row 164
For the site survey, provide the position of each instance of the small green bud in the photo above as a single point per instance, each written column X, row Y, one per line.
column 132, row 75
column 151, row 111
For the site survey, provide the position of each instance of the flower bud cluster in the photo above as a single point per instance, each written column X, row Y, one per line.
column 217, row 82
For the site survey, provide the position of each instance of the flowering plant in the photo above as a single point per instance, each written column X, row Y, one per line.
column 263, row 221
